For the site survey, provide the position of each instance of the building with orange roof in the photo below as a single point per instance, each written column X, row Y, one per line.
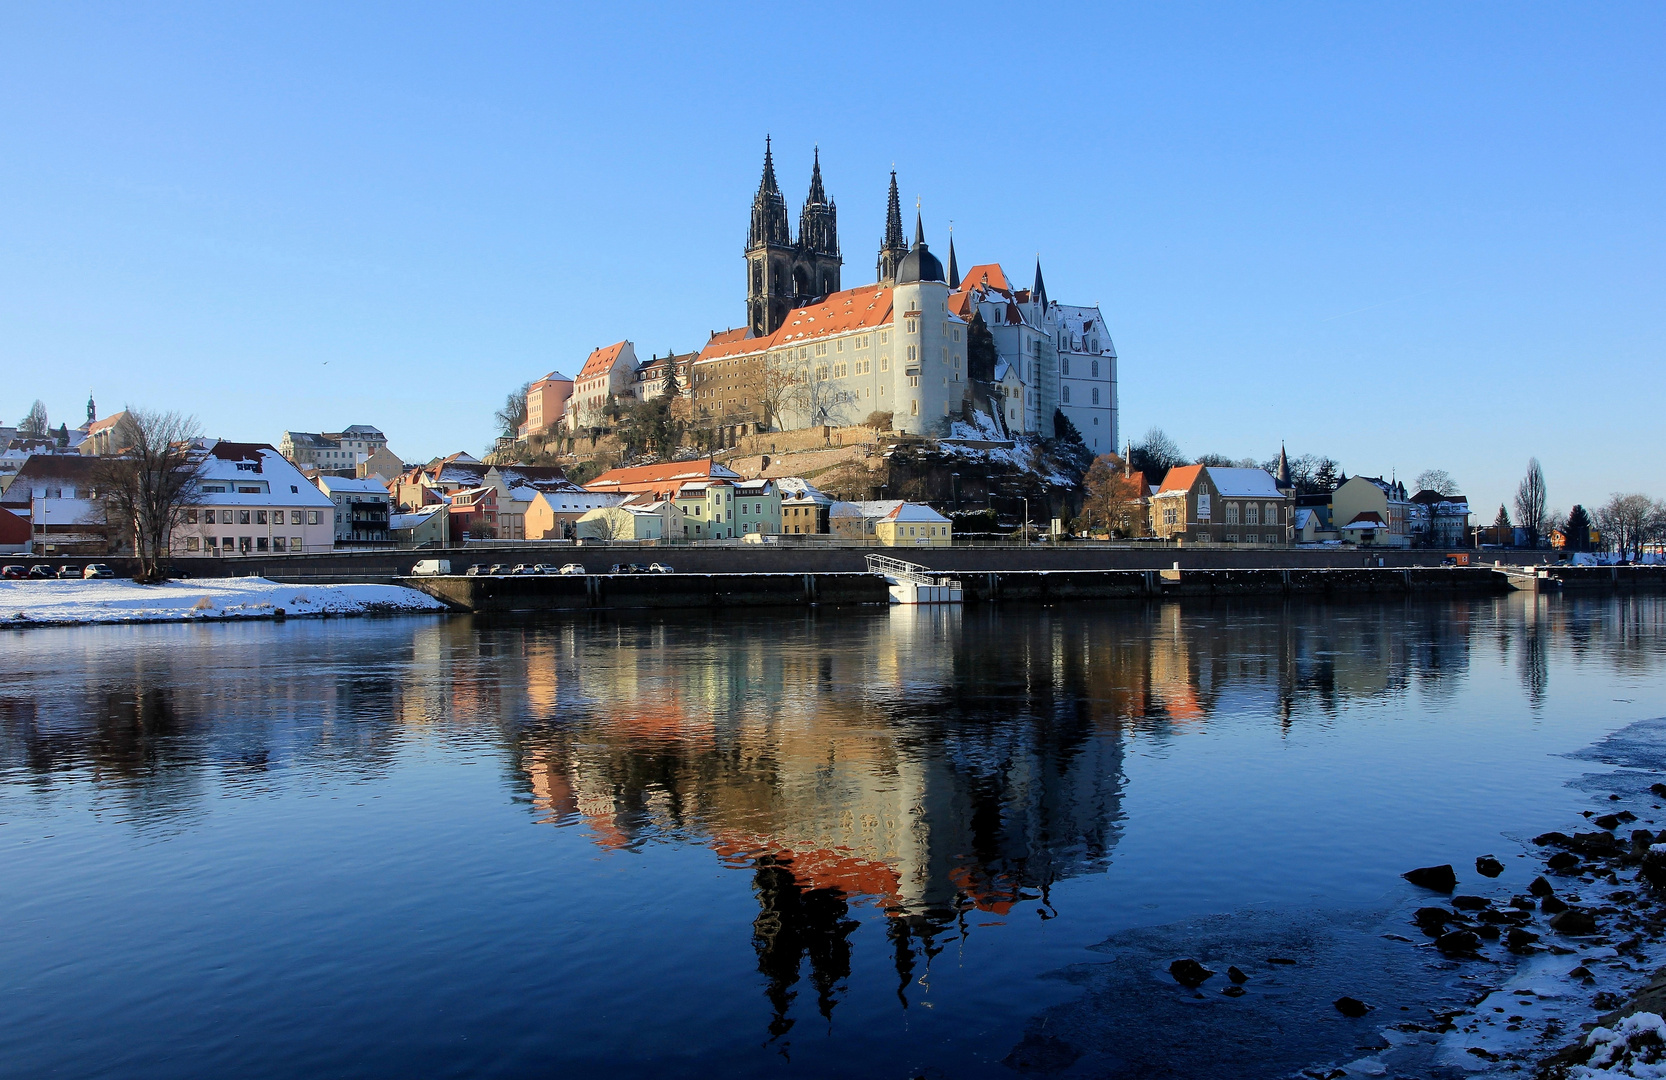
column 1206, row 504
column 607, row 372
column 546, row 404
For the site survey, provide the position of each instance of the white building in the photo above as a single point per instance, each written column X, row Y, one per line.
column 254, row 501
column 1049, row 357
column 362, row 509
column 346, row 449
column 607, row 372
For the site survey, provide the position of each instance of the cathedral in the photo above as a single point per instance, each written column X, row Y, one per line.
column 784, row 274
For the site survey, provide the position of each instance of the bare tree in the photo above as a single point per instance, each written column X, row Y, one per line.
column 779, row 390
column 1630, row 521
column 816, row 398
column 1438, row 481
column 34, row 424
column 147, row 487
column 1113, row 498
column 1530, row 502
column 1156, row 454
column 512, row 416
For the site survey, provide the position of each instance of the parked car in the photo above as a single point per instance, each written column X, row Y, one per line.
column 12, row 573
column 97, row 570
column 498, row 569
column 477, row 570
column 68, row 572
column 628, row 568
column 431, row 567
column 573, row 568
column 524, row 568
column 40, row 570
column 545, row 568
column 660, row 568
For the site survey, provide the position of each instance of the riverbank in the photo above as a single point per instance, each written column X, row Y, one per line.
column 61, row 603
column 1550, row 972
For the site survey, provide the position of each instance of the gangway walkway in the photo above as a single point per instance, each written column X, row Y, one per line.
column 912, row 583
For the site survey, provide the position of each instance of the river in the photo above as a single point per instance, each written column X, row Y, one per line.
column 897, row 843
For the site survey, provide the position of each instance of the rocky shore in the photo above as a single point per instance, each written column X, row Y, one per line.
column 1565, row 978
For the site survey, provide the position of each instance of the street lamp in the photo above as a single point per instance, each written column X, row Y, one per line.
column 1026, row 519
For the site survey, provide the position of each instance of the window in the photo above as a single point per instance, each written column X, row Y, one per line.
column 294, row 543
column 190, row 543
column 1096, row 369
column 913, row 380
column 913, row 354
column 208, row 517
column 1252, row 514
column 911, row 326
column 243, row 544
column 1171, row 515
column 955, row 334
column 1232, row 513
column 839, row 346
column 1272, row 514
column 884, row 336
column 821, row 372
column 821, row 349
column 1096, row 395
column 1064, row 395
column 841, row 370
column 864, row 367
column 1064, row 365
column 885, row 363
column 1232, row 538
column 278, row 543
column 312, row 517
column 190, row 517
column 260, row 517
column 294, row 517
column 914, row 408
column 242, row 517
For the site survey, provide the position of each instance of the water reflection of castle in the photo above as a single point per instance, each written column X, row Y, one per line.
column 930, row 765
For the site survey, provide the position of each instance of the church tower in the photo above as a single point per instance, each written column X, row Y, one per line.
column 816, row 270
column 893, row 247
column 769, row 255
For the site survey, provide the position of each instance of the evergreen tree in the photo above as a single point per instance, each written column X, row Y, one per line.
column 1064, row 429
column 1502, row 521
column 980, row 350
column 1578, row 529
column 672, row 387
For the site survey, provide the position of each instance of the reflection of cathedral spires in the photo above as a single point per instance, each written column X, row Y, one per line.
column 794, row 921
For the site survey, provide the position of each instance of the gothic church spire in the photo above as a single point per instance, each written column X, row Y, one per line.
column 954, row 269
column 893, row 247
column 769, row 209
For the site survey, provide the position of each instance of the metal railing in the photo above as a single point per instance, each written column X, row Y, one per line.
column 886, row 566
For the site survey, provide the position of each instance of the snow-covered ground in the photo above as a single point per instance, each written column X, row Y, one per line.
column 35, row 603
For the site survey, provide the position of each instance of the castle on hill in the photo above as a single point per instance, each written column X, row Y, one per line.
column 939, row 353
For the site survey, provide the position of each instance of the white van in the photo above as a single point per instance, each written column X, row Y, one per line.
column 431, row 567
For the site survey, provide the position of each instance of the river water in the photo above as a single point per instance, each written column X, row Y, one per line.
column 876, row 843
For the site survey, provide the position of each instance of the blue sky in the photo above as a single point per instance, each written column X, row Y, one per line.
column 1407, row 236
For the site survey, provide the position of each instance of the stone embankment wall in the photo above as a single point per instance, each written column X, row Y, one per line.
column 504, row 595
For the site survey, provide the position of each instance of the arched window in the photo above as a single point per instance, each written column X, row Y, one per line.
column 1096, row 369
column 1252, row 514
column 1066, row 395
column 1064, row 365
column 1096, row 395
column 1232, row 513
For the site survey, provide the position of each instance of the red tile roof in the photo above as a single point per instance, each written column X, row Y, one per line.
column 1180, row 478
column 841, row 313
column 985, row 274
column 666, row 476
column 601, row 361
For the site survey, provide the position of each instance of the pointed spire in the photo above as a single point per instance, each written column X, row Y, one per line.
column 767, row 184
column 893, row 247
column 893, row 215
column 1282, row 479
column 919, row 228
column 817, row 195
column 954, row 269
column 1039, row 292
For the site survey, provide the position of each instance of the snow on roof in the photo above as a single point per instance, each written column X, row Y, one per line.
column 759, row 486
column 798, row 489
column 895, row 509
column 1370, row 519
column 554, row 376
column 1244, row 483
column 1301, row 517
column 335, row 484
column 916, row 512
column 231, row 465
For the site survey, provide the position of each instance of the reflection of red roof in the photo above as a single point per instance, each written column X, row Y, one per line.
column 818, row 868
column 1180, row 478
column 601, row 361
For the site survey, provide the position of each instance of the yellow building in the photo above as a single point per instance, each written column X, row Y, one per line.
column 892, row 522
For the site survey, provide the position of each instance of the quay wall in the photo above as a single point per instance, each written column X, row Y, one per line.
column 527, row 593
